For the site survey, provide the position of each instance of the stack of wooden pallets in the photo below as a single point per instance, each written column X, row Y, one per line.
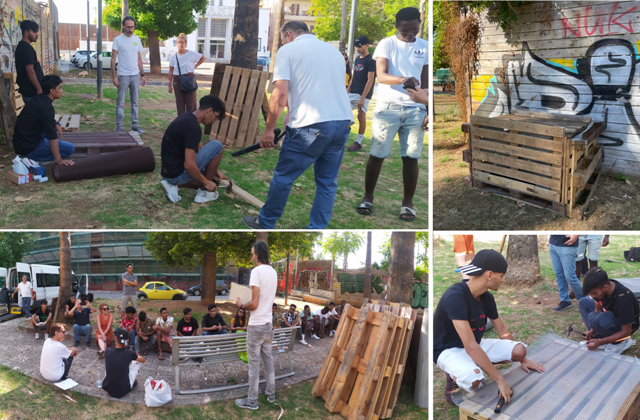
column 16, row 97
column 361, row 377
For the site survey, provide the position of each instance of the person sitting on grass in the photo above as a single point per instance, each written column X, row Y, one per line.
column 239, row 322
column 129, row 321
column 164, row 329
column 610, row 312
column 122, row 365
column 104, row 336
column 56, row 359
column 306, row 319
column 42, row 319
column 213, row 323
column 335, row 317
column 83, row 323
column 187, row 326
column 186, row 163
column 145, row 334
column 460, row 321
column 68, row 308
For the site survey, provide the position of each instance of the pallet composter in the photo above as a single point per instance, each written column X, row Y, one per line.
column 361, row 376
column 543, row 159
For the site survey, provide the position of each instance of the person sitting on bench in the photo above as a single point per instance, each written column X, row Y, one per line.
column 56, row 359
column 186, row 163
column 37, row 134
column 42, row 319
column 164, row 328
column 187, row 326
column 212, row 323
column 460, row 321
column 609, row 310
column 122, row 365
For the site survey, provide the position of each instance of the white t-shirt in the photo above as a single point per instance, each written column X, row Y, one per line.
column 165, row 324
column 25, row 289
column 316, row 73
column 51, row 360
column 406, row 59
column 187, row 61
column 128, row 48
column 264, row 277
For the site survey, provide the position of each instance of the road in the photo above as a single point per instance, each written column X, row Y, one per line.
column 118, row 295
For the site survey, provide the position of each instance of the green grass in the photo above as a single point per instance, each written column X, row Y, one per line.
column 137, row 202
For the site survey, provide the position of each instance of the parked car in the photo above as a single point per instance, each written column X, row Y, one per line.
column 221, row 288
column 265, row 62
column 79, row 54
column 106, row 61
column 157, row 290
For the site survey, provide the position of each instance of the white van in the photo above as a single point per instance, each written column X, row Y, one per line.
column 45, row 281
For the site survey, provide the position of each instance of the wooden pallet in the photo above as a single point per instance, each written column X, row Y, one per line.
column 69, row 123
column 93, row 143
column 16, row 97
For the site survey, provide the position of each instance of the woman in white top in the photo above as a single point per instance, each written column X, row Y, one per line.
column 189, row 60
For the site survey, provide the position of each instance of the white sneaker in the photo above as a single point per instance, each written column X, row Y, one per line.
column 315, row 336
column 204, row 196
column 303, row 342
column 332, row 333
column 46, row 336
column 37, row 336
column 620, row 347
column 171, row 191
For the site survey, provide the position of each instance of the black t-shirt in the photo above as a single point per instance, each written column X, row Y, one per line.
column 624, row 305
column 188, row 328
column 37, row 118
column 116, row 361
column 208, row 322
column 82, row 318
column 25, row 55
column 457, row 303
column 183, row 133
column 361, row 70
column 559, row 240
column 70, row 304
column 42, row 316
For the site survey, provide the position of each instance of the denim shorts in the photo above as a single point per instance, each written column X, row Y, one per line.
column 405, row 121
column 205, row 155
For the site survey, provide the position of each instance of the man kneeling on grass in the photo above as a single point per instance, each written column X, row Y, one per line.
column 610, row 312
column 122, row 365
column 186, row 163
column 460, row 321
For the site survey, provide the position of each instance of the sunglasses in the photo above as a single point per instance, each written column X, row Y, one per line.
column 105, row 309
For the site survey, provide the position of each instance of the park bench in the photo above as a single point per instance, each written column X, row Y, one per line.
column 224, row 349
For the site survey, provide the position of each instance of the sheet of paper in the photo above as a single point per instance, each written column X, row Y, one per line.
column 240, row 291
column 67, row 384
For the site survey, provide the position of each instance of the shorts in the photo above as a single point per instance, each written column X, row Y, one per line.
column 591, row 244
column 463, row 244
column 458, row 364
column 206, row 154
column 405, row 121
column 354, row 98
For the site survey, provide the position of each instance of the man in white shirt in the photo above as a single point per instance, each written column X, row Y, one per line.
column 127, row 48
column 56, row 359
column 25, row 292
column 401, row 63
column 310, row 74
column 264, row 284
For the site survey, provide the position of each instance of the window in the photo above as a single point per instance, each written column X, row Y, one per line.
column 218, row 28
column 216, row 49
column 202, row 27
column 162, row 287
column 220, row 3
column 149, row 286
column 201, row 46
column 52, row 280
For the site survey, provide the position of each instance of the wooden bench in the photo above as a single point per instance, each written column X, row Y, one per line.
column 69, row 122
column 223, row 349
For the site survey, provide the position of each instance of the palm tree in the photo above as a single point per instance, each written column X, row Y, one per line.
column 342, row 244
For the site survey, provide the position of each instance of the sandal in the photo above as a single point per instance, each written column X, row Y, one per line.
column 145, row 353
column 407, row 214
column 160, row 357
column 365, row 208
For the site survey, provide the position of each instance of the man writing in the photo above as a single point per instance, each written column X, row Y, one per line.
column 56, row 359
column 187, row 163
column 129, row 284
column 610, row 314
column 311, row 75
column 460, row 321
column 264, row 284
column 122, row 365
column 127, row 48
column 28, row 69
column 361, row 87
column 37, row 134
column 42, row 319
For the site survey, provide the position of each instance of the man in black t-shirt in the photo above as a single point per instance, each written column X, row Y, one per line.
column 188, row 325
column 360, row 88
column 28, row 69
column 460, row 321
column 186, row 163
column 212, row 323
column 83, row 323
column 610, row 314
column 122, row 365
column 68, row 307
column 42, row 319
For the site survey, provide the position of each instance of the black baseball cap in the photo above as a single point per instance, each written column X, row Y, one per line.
column 122, row 335
column 361, row 40
column 485, row 260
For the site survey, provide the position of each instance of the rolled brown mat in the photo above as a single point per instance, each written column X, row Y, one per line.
column 107, row 164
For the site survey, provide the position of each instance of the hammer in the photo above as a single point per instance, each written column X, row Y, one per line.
column 279, row 134
column 571, row 330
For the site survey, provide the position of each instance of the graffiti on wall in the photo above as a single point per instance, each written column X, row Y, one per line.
column 420, row 295
column 312, row 279
column 9, row 37
column 354, row 283
column 608, row 20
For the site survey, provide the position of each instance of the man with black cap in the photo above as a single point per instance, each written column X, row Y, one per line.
column 122, row 365
column 360, row 88
column 460, row 321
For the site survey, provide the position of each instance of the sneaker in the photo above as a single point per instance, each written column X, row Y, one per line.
column 46, row 336
column 620, row 347
column 171, row 191
column 76, row 344
column 138, row 129
column 251, row 222
column 37, row 336
column 331, row 334
column 315, row 336
column 204, row 196
column 355, row 147
column 303, row 342
column 88, row 343
column 119, row 130
column 562, row 306
column 244, row 403
column 100, row 354
column 271, row 398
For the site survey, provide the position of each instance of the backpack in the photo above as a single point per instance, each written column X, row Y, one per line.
column 632, row 255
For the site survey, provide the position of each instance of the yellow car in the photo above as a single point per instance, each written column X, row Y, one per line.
column 159, row 290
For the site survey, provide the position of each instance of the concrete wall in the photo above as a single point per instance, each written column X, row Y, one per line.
column 585, row 63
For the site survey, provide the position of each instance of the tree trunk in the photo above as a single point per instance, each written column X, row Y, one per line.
column 279, row 11
column 263, row 236
column 367, row 269
column 244, row 41
column 522, row 257
column 65, row 276
column 125, row 8
column 343, row 27
column 423, row 18
column 154, row 52
column 209, row 265
column 345, row 265
column 401, row 267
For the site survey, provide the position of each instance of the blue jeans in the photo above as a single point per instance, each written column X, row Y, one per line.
column 43, row 152
column 205, row 155
column 319, row 144
column 82, row 330
column 605, row 324
column 391, row 119
column 214, row 332
column 26, row 304
column 148, row 344
column 563, row 259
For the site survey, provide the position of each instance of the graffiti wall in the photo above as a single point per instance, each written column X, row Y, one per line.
column 313, row 274
column 12, row 12
column 420, row 295
column 577, row 58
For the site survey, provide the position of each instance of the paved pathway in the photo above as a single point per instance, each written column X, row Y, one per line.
column 21, row 351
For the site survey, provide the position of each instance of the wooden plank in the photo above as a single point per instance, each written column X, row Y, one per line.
column 215, row 127
column 216, row 85
column 551, row 183
column 74, row 124
column 578, row 211
column 64, row 121
column 631, row 406
column 230, row 103
column 548, row 170
column 243, row 83
column 251, row 81
column 581, row 177
column 524, row 152
column 258, row 105
column 520, row 126
column 517, row 185
column 537, row 142
column 236, row 190
column 552, row 116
